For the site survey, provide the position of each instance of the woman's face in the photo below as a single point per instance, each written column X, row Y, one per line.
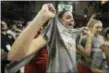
column 97, row 28
column 67, row 19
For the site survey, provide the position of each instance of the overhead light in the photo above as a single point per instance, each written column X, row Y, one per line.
column 103, row 1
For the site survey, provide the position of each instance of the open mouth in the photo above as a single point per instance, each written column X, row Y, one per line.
column 70, row 24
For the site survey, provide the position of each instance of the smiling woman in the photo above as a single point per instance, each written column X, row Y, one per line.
column 66, row 18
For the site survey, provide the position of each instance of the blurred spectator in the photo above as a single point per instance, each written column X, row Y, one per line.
column 7, row 40
column 14, row 30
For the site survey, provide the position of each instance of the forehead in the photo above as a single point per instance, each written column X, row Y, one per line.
column 68, row 14
column 98, row 24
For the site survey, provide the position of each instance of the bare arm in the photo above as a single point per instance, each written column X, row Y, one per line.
column 18, row 53
column 87, row 49
column 25, row 44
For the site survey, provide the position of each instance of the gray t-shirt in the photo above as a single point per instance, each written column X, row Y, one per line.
column 61, row 46
column 96, row 42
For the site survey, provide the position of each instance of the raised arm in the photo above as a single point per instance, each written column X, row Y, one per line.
column 25, row 44
column 87, row 49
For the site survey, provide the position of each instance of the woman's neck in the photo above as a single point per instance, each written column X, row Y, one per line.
column 96, row 34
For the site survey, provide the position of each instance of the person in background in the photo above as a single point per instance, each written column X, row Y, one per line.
column 11, row 31
column 85, row 60
column 14, row 30
column 6, row 42
column 7, row 39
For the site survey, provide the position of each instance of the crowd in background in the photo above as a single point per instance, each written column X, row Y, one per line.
column 11, row 30
column 9, row 33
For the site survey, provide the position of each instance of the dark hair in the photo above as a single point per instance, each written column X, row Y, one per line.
column 60, row 14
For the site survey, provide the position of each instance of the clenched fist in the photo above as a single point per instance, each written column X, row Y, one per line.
column 48, row 10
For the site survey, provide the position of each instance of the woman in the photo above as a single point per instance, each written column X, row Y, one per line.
column 95, row 27
column 61, row 51
column 38, row 63
column 7, row 40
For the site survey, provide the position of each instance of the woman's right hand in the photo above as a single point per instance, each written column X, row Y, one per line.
column 48, row 11
column 86, row 31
